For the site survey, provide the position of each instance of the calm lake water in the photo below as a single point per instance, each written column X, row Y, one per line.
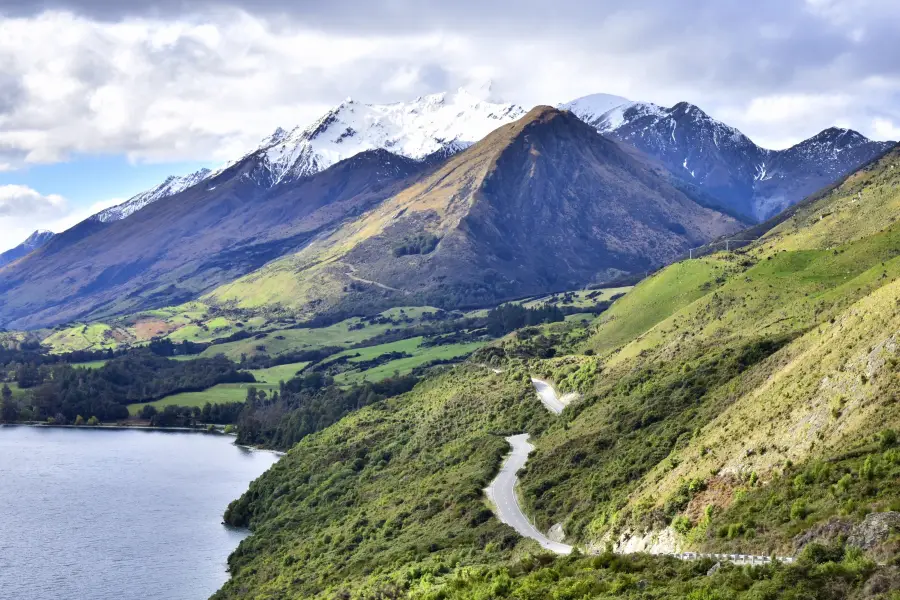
column 118, row 515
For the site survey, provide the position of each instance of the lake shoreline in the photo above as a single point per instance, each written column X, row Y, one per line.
column 117, row 427
column 202, row 430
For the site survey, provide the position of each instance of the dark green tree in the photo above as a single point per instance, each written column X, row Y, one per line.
column 9, row 411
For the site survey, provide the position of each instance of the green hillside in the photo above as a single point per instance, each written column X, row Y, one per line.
column 744, row 402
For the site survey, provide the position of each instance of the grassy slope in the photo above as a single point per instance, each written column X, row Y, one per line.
column 420, row 356
column 94, row 336
column 219, row 394
column 655, row 299
column 280, row 373
column 387, row 498
column 340, row 334
column 715, row 371
column 672, row 406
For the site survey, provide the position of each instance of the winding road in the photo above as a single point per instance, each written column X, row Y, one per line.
column 548, row 396
column 502, row 493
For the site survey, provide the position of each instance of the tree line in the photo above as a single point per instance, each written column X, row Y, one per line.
column 62, row 392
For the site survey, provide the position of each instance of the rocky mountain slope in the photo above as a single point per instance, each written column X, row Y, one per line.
column 35, row 240
column 171, row 186
column 742, row 177
column 543, row 203
column 185, row 244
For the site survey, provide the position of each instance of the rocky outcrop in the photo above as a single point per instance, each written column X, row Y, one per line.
column 556, row 533
column 870, row 535
column 875, row 529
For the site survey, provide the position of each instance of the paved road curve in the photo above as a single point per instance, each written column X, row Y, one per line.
column 548, row 396
column 502, row 493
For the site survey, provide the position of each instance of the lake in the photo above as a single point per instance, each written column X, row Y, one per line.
column 118, row 515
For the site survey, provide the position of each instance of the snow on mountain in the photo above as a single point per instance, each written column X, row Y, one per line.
column 743, row 177
column 171, row 186
column 445, row 123
column 591, row 109
column 416, row 129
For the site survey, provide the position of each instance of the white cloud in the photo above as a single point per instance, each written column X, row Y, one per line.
column 24, row 210
column 17, row 201
column 191, row 87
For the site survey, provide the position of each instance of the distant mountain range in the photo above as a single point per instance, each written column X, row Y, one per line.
column 739, row 176
column 586, row 209
column 743, row 178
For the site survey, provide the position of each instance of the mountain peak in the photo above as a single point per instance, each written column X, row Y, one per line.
column 686, row 108
column 36, row 240
column 416, row 129
column 840, row 136
column 591, row 109
column 541, row 112
column 171, row 186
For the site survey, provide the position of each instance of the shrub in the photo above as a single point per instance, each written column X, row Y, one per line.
column 798, row 510
column 93, row 421
column 79, row 420
column 888, row 439
column 681, row 524
column 423, row 243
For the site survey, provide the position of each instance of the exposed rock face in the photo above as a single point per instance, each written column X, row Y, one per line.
column 664, row 541
column 824, row 533
column 874, row 530
column 870, row 535
column 556, row 533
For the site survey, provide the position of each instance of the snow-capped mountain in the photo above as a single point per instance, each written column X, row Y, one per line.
column 739, row 175
column 36, row 240
column 171, row 186
column 446, row 122
column 592, row 109
column 438, row 124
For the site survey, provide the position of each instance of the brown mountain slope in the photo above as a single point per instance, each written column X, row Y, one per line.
column 189, row 243
column 543, row 203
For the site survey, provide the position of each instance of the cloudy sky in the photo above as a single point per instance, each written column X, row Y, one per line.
column 100, row 99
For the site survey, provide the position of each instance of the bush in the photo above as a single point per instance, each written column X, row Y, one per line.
column 229, row 429
column 93, row 421
column 798, row 510
column 819, row 554
column 681, row 524
column 423, row 243
column 79, row 420
column 888, row 439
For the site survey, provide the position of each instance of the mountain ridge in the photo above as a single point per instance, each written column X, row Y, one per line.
column 182, row 245
column 753, row 181
column 484, row 220
column 36, row 240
